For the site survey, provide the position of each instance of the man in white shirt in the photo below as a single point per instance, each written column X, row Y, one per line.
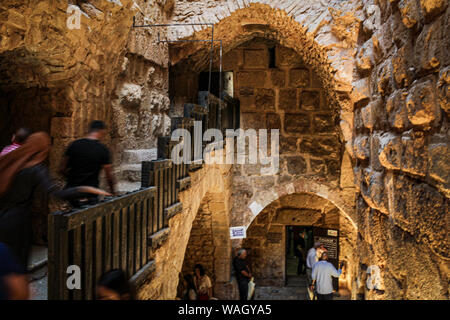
column 322, row 274
column 311, row 259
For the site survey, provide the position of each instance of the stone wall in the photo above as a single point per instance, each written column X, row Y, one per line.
column 402, row 147
column 209, row 185
column 287, row 96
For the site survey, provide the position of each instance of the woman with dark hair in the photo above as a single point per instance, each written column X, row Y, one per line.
column 113, row 285
column 22, row 171
column 202, row 283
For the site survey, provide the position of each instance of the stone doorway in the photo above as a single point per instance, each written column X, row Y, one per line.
column 270, row 242
column 298, row 242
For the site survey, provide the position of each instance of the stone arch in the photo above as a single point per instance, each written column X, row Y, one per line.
column 209, row 243
column 267, row 236
column 324, row 37
column 339, row 198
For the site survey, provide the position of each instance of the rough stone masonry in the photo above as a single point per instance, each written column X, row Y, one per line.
column 359, row 90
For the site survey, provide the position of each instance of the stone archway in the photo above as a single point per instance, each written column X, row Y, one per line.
column 267, row 237
column 209, row 244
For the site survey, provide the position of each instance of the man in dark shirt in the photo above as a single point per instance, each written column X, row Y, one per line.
column 85, row 158
column 243, row 274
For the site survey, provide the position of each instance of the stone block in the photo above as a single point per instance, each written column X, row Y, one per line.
column 444, row 89
column 287, row 99
column 318, row 167
column 364, row 57
column 439, row 160
column 253, row 120
column 432, row 8
column 361, row 147
column 432, row 45
column 414, row 157
column 310, row 100
column 286, row 57
column 299, row 78
column 373, row 115
column 277, row 78
column 421, row 103
column 251, row 78
column 288, row 144
column 390, row 151
column 402, row 66
column 265, row 99
column 323, row 123
column 296, row 165
column 273, row 121
column 373, row 191
column 409, row 12
column 396, row 110
column 297, row 123
column 263, row 183
column 320, row 146
column 255, row 58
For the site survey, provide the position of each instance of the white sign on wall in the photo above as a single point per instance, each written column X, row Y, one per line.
column 238, row 232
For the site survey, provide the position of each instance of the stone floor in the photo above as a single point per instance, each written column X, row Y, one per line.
column 295, row 289
column 38, row 267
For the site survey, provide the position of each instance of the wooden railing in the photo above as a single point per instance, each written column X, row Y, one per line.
column 124, row 232
column 112, row 234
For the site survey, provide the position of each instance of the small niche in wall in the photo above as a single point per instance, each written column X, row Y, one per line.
column 272, row 57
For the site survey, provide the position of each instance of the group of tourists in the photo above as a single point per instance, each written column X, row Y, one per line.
column 320, row 272
column 23, row 170
column 196, row 285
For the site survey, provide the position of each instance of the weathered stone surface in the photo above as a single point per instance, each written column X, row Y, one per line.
column 288, row 144
column 297, row 123
column 432, row 8
column 391, row 151
column 286, row 57
column 277, row 78
column 414, row 157
column 362, row 147
column 320, row 146
column 409, row 11
column 396, row 110
column 299, row 78
column 431, row 49
column 444, row 89
column 365, row 58
column 253, row 120
column 287, row 99
column 130, row 95
column 323, row 123
column 439, row 160
column 273, row 121
column 296, row 165
column 265, row 99
column 255, row 58
column 421, row 103
column 373, row 115
column 252, row 79
column 310, row 100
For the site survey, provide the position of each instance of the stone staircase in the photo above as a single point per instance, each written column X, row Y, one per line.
column 129, row 173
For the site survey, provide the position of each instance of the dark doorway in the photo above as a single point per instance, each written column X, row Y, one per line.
column 220, row 81
column 298, row 241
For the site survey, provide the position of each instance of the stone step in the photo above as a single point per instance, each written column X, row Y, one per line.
column 127, row 186
column 139, row 155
